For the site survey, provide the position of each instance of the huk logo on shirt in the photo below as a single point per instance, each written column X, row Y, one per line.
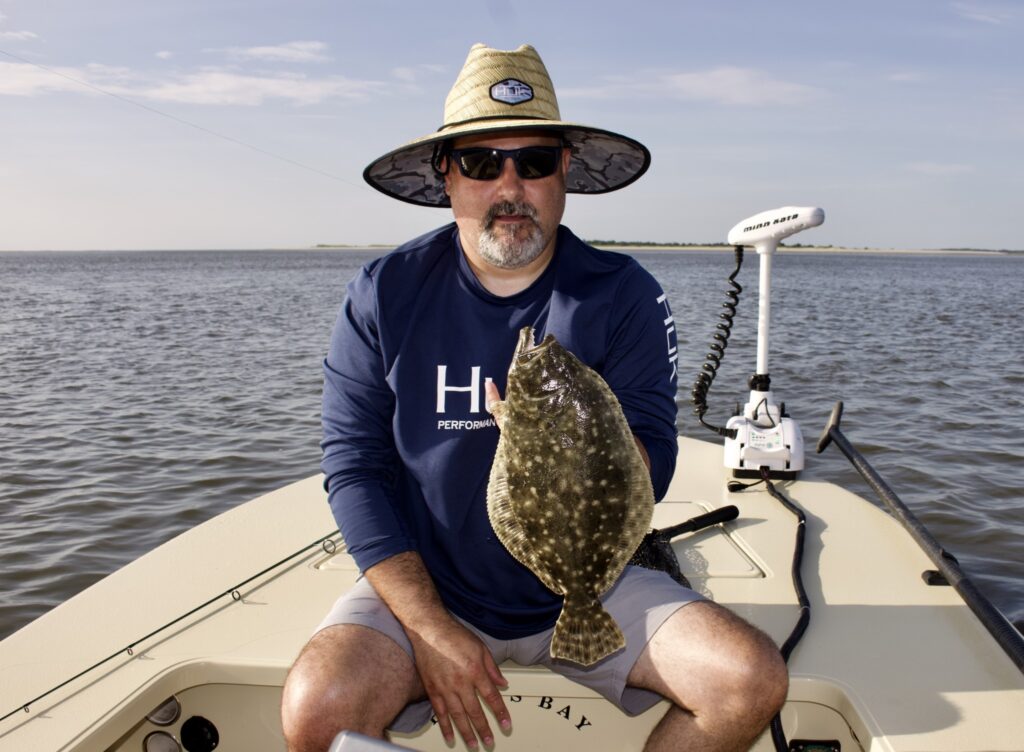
column 670, row 337
column 459, row 394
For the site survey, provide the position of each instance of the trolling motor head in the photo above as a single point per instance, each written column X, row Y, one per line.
column 764, row 231
column 763, row 436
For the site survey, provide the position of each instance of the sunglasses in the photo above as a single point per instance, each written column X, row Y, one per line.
column 485, row 163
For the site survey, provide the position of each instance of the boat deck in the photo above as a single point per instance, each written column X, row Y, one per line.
column 888, row 661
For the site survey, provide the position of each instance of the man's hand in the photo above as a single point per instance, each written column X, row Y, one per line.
column 455, row 667
column 457, row 670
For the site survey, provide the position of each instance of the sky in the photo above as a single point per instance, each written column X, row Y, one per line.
column 195, row 124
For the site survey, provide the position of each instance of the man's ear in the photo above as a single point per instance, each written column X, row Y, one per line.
column 444, row 168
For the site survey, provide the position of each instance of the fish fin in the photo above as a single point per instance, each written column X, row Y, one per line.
column 638, row 488
column 636, row 524
column 507, row 525
column 585, row 633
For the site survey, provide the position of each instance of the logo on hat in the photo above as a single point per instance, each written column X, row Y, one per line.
column 511, row 91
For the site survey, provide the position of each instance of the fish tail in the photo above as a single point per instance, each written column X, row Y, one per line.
column 585, row 633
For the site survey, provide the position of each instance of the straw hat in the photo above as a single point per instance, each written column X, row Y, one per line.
column 499, row 91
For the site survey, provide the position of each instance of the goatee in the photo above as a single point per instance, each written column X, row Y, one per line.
column 515, row 246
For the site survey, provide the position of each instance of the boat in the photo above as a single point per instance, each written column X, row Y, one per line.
column 890, row 647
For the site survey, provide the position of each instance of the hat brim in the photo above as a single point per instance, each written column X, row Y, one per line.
column 602, row 161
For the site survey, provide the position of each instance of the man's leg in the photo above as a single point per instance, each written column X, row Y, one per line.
column 347, row 678
column 725, row 678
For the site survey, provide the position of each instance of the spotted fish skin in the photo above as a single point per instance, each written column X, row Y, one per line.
column 569, row 494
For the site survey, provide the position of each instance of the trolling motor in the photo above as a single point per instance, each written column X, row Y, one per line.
column 764, row 436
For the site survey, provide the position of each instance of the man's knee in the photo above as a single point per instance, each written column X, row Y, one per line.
column 762, row 679
column 705, row 656
column 346, row 678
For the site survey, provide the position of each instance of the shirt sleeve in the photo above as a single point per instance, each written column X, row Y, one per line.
column 641, row 370
column 359, row 457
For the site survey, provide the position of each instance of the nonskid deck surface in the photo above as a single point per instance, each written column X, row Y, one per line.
column 888, row 662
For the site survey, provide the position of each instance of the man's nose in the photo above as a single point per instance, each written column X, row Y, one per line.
column 509, row 182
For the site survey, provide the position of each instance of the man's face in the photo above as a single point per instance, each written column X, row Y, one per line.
column 508, row 222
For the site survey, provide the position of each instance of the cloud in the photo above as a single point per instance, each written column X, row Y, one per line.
column 939, row 169
column 411, row 74
column 726, row 85
column 224, row 87
column 289, row 52
column 737, row 86
column 20, row 36
column 211, row 86
column 22, row 80
column 17, row 36
column 164, row 54
column 905, row 77
column 983, row 12
column 108, row 74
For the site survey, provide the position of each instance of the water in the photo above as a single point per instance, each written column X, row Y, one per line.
column 142, row 393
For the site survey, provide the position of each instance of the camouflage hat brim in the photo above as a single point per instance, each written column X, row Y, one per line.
column 601, row 161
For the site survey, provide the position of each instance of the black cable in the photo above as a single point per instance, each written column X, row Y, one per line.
column 767, row 413
column 778, row 735
column 699, row 393
column 735, row 485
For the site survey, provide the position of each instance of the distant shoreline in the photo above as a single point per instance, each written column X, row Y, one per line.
column 608, row 245
column 641, row 246
column 818, row 249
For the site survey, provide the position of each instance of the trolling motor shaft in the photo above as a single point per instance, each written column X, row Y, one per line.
column 762, row 436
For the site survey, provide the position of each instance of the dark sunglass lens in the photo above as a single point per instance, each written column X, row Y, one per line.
column 480, row 164
column 485, row 164
column 537, row 162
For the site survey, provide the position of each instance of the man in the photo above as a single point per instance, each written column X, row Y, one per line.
column 423, row 341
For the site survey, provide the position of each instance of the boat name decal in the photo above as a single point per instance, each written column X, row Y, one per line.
column 547, row 703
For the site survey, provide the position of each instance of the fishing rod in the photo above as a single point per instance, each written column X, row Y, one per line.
column 948, row 568
column 325, row 542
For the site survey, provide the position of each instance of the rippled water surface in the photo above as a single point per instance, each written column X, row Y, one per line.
column 142, row 393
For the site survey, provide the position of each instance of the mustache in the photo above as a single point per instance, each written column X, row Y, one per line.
column 522, row 208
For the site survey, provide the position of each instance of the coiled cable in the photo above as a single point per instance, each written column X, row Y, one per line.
column 699, row 393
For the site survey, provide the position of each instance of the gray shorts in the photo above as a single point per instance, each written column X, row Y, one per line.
column 640, row 602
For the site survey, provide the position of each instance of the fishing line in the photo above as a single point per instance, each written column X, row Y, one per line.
column 325, row 543
column 179, row 120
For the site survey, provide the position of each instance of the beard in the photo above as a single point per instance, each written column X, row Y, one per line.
column 511, row 247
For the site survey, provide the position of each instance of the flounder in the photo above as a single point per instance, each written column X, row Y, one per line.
column 569, row 495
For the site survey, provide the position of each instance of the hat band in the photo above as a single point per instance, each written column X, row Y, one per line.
column 494, row 117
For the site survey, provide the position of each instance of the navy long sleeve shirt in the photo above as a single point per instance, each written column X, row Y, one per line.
column 408, row 444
